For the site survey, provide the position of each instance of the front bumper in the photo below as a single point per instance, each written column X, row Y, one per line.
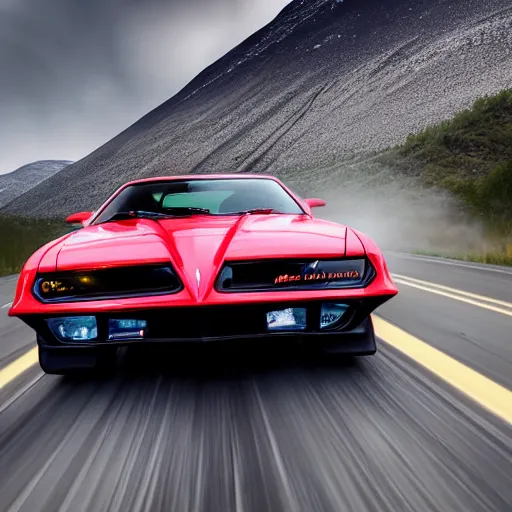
column 214, row 324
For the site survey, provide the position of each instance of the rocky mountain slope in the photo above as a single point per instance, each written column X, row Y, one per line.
column 324, row 81
column 16, row 183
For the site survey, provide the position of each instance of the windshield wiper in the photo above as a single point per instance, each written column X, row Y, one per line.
column 141, row 214
column 254, row 211
column 184, row 210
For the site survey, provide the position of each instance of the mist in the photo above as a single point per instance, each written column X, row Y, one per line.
column 74, row 74
column 397, row 212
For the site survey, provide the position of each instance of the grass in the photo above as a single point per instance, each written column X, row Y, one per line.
column 21, row 237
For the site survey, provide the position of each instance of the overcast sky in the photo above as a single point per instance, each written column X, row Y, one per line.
column 75, row 73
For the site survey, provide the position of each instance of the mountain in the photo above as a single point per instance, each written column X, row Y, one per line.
column 324, row 81
column 16, row 183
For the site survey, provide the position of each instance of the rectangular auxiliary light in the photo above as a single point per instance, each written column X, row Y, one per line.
column 290, row 319
column 126, row 329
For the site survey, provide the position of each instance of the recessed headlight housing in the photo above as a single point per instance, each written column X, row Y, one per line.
column 106, row 283
column 281, row 275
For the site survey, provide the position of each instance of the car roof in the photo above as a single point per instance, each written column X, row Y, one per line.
column 203, row 177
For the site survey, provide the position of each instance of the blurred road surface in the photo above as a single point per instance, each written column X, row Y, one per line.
column 273, row 431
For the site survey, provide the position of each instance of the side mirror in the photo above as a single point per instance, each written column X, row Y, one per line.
column 79, row 218
column 315, row 202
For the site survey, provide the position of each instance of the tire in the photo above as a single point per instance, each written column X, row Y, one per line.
column 357, row 342
column 77, row 361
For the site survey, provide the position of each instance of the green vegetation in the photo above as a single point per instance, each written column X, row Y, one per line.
column 471, row 156
column 21, row 237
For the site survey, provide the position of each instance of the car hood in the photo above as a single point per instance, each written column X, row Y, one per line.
column 197, row 245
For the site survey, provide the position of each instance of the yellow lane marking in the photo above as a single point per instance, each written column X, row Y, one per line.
column 16, row 368
column 455, row 291
column 482, row 390
column 456, row 297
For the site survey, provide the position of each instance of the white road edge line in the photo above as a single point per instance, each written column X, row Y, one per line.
column 455, row 297
column 455, row 263
column 453, row 290
column 8, row 305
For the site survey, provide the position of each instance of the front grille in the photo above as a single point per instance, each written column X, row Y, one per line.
column 228, row 321
column 216, row 321
column 201, row 322
column 206, row 322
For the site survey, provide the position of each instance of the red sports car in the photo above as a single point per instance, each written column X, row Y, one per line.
column 200, row 258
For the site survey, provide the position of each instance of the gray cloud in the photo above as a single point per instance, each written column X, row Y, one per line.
column 74, row 73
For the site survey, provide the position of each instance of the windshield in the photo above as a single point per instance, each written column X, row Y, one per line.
column 218, row 196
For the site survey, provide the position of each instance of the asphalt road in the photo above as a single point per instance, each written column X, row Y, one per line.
column 271, row 432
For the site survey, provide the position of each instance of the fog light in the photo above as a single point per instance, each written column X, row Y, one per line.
column 331, row 314
column 291, row 319
column 126, row 329
column 74, row 328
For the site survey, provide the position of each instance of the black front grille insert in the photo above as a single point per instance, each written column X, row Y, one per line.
column 279, row 275
column 216, row 322
column 133, row 281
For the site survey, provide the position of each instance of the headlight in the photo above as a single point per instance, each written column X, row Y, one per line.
column 74, row 328
column 274, row 275
column 106, row 283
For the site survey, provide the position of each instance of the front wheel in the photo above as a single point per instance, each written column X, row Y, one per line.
column 77, row 361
